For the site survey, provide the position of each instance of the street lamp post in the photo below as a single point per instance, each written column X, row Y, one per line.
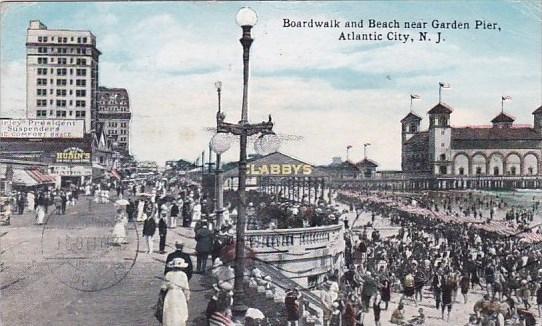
column 246, row 18
column 219, row 182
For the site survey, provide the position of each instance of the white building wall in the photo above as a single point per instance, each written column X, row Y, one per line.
column 503, row 159
column 75, row 50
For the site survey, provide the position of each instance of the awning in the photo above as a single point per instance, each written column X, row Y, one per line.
column 30, row 178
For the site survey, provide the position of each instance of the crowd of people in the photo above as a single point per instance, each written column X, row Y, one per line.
column 428, row 255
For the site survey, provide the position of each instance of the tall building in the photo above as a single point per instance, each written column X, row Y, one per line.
column 61, row 74
column 114, row 114
column 500, row 149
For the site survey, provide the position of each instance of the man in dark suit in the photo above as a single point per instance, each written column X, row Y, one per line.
column 178, row 253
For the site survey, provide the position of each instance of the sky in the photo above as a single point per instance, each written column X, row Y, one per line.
column 330, row 93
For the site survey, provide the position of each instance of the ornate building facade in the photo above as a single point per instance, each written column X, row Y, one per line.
column 114, row 115
column 502, row 149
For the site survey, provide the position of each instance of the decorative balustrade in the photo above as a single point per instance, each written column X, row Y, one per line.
column 288, row 238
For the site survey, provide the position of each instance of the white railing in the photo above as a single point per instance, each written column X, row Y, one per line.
column 289, row 238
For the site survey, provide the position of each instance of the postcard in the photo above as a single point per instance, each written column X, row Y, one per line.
column 270, row 163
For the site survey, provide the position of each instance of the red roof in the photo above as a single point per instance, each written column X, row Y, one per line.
column 411, row 116
column 40, row 177
column 495, row 134
column 441, row 108
column 503, row 117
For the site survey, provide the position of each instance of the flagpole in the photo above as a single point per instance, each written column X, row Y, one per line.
column 439, row 93
column 410, row 103
column 502, row 104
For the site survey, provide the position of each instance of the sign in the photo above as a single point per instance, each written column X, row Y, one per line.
column 279, row 169
column 41, row 128
column 73, row 155
column 70, row 171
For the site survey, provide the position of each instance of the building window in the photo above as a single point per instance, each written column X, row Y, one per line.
column 61, row 71
column 84, row 40
column 41, row 103
column 443, row 157
column 80, row 114
column 81, row 72
column 81, row 62
column 60, row 92
column 42, row 61
column 495, row 171
column 80, row 104
column 531, row 170
column 62, row 61
column 41, row 81
column 443, row 170
column 80, row 82
column 41, row 113
column 60, row 114
column 61, row 82
column 513, row 170
column 42, row 49
column 80, row 93
column 61, row 103
column 42, row 71
column 41, row 92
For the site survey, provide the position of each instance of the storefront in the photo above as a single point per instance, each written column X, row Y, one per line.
column 282, row 175
column 68, row 159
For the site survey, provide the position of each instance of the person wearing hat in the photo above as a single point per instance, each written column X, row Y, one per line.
column 178, row 253
column 175, row 311
column 204, row 246
column 291, row 301
column 219, row 313
column 149, row 229
column 162, row 232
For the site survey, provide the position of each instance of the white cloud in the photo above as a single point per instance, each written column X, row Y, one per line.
column 169, row 66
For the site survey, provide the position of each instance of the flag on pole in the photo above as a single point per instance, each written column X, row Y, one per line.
column 444, row 85
column 414, row 97
column 504, row 98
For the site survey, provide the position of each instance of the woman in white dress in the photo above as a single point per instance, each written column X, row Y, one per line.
column 175, row 311
column 30, row 201
column 119, row 230
column 140, row 208
column 40, row 215
column 196, row 212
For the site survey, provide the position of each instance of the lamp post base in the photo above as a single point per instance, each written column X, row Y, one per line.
column 239, row 310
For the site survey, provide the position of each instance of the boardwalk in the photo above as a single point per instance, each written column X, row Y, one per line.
column 33, row 295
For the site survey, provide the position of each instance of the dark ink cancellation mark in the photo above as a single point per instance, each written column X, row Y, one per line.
column 86, row 258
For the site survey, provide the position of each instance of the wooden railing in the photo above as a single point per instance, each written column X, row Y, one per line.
column 285, row 238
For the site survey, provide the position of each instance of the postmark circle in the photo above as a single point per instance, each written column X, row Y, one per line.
column 81, row 251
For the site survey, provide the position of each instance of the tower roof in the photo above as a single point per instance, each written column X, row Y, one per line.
column 503, row 117
column 441, row 108
column 538, row 111
column 367, row 163
column 411, row 116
